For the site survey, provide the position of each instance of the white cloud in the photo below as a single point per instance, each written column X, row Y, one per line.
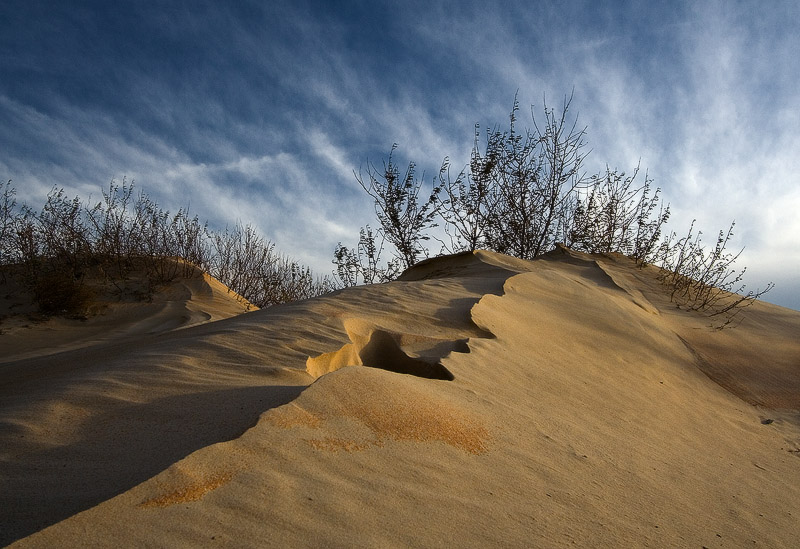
column 335, row 157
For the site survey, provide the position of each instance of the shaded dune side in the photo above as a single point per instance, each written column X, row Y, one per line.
column 761, row 365
column 758, row 359
column 164, row 396
column 117, row 314
column 601, row 270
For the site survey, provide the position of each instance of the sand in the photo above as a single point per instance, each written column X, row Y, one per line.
column 478, row 401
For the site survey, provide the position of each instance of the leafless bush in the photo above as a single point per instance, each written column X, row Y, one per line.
column 249, row 265
column 25, row 243
column 362, row 264
column 469, row 200
column 157, row 241
column 122, row 233
column 535, row 174
column 55, row 292
column 514, row 198
column 8, row 222
column 705, row 280
column 116, row 231
column 63, row 233
column 243, row 261
column 404, row 219
column 191, row 241
column 291, row 281
column 615, row 215
column 522, row 192
column 49, row 245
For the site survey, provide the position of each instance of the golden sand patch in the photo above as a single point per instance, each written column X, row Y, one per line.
column 419, row 419
column 292, row 415
column 191, row 491
column 393, row 409
column 332, row 444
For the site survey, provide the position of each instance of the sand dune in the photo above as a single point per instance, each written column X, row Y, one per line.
column 188, row 301
column 477, row 401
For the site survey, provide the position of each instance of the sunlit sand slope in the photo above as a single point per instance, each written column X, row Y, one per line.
column 479, row 401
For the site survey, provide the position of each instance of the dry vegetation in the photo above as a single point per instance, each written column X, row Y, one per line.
column 521, row 193
column 57, row 250
column 525, row 191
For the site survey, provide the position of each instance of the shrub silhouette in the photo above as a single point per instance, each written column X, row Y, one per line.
column 362, row 264
column 705, row 280
column 55, row 292
column 615, row 215
column 8, row 215
column 54, row 250
column 524, row 191
column 403, row 218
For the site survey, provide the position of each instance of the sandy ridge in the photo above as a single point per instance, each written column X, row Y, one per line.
column 577, row 416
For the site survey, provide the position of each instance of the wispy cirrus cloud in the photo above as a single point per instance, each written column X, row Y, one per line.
column 261, row 111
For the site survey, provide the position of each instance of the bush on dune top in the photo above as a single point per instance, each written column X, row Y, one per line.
column 522, row 192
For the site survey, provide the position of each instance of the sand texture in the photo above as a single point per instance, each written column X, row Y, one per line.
column 479, row 401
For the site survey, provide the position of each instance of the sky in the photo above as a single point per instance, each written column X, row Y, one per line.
column 262, row 111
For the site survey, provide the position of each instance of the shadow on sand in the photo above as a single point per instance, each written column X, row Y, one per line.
column 122, row 448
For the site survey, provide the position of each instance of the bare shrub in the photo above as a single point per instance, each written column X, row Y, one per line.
column 119, row 234
column 403, row 217
column 705, row 280
column 291, row 281
column 156, row 242
column 524, row 191
column 57, row 293
column 63, row 233
column 249, row 265
column 362, row 264
column 470, row 198
column 162, row 237
column 8, row 214
column 244, row 261
column 49, row 250
column 191, row 241
column 536, row 173
column 616, row 215
column 115, row 233
column 25, row 242
column 516, row 195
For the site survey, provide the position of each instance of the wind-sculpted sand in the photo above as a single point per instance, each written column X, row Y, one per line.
column 477, row 401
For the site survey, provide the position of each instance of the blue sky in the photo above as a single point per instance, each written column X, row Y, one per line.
column 260, row 111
